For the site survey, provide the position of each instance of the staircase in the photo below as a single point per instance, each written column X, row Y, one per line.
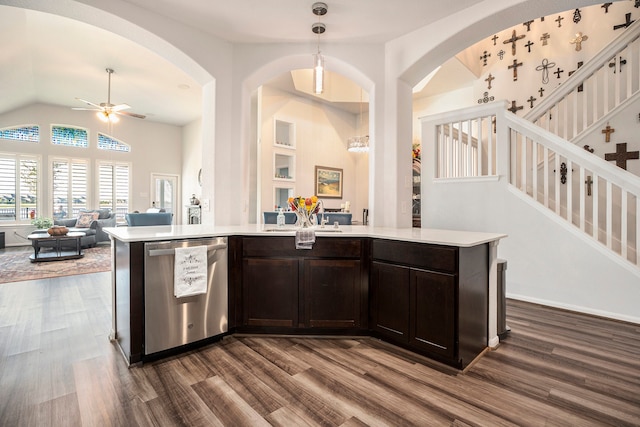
column 582, row 191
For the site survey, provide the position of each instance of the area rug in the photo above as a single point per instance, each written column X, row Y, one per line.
column 15, row 265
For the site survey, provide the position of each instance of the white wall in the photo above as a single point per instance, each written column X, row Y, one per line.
column 191, row 164
column 321, row 140
column 155, row 148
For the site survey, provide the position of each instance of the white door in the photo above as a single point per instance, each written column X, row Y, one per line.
column 164, row 194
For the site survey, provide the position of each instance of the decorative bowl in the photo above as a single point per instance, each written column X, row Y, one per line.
column 58, row 230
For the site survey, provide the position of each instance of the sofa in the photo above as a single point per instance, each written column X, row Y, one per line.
column 93, row 230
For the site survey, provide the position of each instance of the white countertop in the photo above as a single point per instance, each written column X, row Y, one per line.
column 191, row 231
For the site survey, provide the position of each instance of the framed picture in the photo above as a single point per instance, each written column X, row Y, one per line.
column 328, row 182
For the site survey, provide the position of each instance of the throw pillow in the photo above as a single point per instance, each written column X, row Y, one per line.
column 85, row 219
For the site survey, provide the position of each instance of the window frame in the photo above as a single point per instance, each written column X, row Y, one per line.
column 18, row 158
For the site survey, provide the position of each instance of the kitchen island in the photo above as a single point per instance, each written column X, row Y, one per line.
column 431, row 291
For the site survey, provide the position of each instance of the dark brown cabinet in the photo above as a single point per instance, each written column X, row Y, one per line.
column 283, row 288
column 431, row 299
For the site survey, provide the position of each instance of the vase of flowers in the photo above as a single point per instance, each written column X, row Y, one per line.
column 304, row 208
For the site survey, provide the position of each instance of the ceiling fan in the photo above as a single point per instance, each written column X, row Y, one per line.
column 106, row 111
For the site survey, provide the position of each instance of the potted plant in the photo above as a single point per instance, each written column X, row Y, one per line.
column 42, row 222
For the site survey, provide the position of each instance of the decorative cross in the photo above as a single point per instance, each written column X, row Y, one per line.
column 514, row 108
column 528, row 45
column 589, row 149
column 577, row 16
column 606, row 7
column 578, row 41
column 613, row 64
column 608, row 131
column 486, row 98
column 544, row 38
column 589, row 183
column 485, row 57
column 528, row 25
column 494, row 38
column 544, row 67
column 622, row 155
column 513, row 41
column 559, row 21
column 581, row 87
column 515, row 66
column 530, row 101
column 489, row 79
column 558, row 71
column 501, row 54
column 541, row 91
column 636, row 4
column 628, row 21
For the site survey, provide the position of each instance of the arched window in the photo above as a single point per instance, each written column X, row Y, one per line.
column 108, row 143
column 69, row 136
column 27, row 133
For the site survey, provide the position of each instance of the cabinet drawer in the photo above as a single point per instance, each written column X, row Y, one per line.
column 419, row 255
column 324, row 247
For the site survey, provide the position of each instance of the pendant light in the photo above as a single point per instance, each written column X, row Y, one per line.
column 319, row 9
column 358, row 144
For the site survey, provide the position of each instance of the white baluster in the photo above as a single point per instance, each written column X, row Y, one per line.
column 609, row 205
column 624, row 238
column 569, row 191
column 595, row 210
column 546, row 177
column 557, row 179
column 534, row 169
column 582, row 198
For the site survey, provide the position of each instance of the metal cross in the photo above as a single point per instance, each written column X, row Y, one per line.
column 489, row 79
column 528, row 45
column 541, row 91
column 622, row 155
column 544, row 67
column 513, row 41
column 494, row 38
column 530, row 100
column 628, row 21
column 485, row 57
column 606, row 7
column 589, row 183
column 501, row 54
column 613, row 64
column 577, row 16
column 558, row 71
column 608, row 131
column 544, row 38
column 559, row 21
column 515, row 66
column 528, row 25
column 578, row 40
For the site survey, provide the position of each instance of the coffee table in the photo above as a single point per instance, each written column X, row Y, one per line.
column 64, row 247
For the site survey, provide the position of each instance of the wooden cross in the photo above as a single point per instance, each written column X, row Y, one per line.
column 514, row 108
column 489, row 79
column 544, row 38
column 513, row 41
column 528, row 25
column 530, row 100
column 528, row 45
column 608, row 131
column 485, row 57
column 606, row 7
column 494, row 38
column 578, row 40
column 580, row 64
column 559, row 21
column 515, row 66
column 541, row 91
column 589, row 183
column 558, row 71
column 622, row 155
column 628, row 21
column 577, row 16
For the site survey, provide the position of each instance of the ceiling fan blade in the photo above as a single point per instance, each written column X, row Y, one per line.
column 126, row 113
column 86, row 109
column 90, row 103
column 120, row 107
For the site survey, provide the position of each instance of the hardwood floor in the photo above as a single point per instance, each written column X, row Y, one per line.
column 58, row 368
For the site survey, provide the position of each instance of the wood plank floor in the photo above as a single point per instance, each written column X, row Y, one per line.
column 58, row 368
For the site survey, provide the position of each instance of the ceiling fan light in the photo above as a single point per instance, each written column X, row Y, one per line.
column 102, row 115
column 113, row 118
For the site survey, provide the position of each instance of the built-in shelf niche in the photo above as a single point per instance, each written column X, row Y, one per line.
column 284, row 166
column 284, row 134
column 281, row 196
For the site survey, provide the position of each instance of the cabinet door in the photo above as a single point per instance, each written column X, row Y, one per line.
column 270, row 292
column 389, row 305
column 432, row 326
column 332, row 293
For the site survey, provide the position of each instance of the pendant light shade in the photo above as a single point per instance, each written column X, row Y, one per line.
column 318, row 9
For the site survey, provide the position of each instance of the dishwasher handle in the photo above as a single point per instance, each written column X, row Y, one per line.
column 171, row 251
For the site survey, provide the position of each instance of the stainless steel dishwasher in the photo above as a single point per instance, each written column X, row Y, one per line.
column 171, row 322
